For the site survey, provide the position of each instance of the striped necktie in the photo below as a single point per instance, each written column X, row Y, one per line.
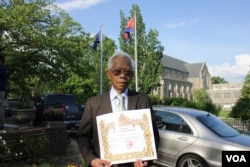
column 120, row 105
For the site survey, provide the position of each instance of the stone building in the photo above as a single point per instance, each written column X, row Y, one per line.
column 225, row 95
column 179, row 78
column 199, row 75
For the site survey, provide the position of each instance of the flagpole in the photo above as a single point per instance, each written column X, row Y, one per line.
column 135, row 52
column 101, row 64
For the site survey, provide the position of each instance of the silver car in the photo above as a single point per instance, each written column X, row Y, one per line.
column 190, row 137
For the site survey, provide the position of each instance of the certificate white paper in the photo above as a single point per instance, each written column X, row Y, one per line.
column 126, row 136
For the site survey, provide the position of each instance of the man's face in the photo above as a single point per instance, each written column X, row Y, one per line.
column 121, row 73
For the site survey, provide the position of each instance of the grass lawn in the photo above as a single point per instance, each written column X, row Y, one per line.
column 224, row 113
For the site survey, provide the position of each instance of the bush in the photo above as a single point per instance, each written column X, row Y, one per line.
column 182, row 102
column 178, row 101
column 209, row 107
column 241, row 109
column 26, row 144
column 155, row 100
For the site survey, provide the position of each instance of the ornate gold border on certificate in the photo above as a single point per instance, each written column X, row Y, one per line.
column 143, row 123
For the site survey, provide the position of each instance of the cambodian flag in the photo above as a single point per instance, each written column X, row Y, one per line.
column 97, row 40
column 129, row 29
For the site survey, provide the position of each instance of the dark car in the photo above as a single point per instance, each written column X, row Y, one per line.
column 73, row 113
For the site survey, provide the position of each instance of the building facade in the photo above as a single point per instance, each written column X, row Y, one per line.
column 179, row 78
column 199, row 75
column 225, row 95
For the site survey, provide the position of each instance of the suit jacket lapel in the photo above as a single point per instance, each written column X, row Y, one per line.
column 132, row 100
column 107, row 108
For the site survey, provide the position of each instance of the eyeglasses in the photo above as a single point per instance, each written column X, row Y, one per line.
column 117, row 72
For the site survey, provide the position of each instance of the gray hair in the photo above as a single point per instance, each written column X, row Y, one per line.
column 120, row 54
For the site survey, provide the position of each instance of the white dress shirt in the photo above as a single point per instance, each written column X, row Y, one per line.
column 114, row 99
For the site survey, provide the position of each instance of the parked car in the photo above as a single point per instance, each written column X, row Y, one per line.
column 190, row 137
column 73, row 113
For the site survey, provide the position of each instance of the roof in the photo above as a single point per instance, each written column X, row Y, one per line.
column 174, row 63
column 193, row 69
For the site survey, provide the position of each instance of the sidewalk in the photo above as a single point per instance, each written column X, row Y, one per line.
column 72, row 156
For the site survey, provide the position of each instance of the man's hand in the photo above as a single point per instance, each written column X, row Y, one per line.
column 100, row 163
column 140, row 163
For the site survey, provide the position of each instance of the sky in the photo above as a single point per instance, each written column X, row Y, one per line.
column 216, row 32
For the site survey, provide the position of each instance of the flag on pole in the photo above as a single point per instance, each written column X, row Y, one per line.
column 129, row 29
column 97, row 40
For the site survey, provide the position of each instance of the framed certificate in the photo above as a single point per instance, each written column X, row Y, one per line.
column 126, row 136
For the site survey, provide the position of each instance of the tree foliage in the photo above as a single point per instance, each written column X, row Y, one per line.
column 246, row 87
column 47, row 51
column 149, row 52
column 242, row 107
column 200, row 101
column 179, row 101
column 182, row 102
column 203, row 101
column 200, row 95
column 218, row 80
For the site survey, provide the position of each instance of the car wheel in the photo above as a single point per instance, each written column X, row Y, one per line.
column 191, row 160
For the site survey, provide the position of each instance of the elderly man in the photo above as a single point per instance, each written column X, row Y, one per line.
column 120, row 72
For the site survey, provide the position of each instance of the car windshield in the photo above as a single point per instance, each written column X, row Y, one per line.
column 218, row 126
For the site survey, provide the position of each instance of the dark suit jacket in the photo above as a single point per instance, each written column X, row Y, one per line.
column 87, row 136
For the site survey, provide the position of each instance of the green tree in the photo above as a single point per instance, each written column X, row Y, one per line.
column 203, row 102
column 39, row 44
column 218, row 80
column 209, row 107
column 242, row 107
column 149, row 52
column 46, row 51
column 246, row 87
column 200, row 95
column 107, row 50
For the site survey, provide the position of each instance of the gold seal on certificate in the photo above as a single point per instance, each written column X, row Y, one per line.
column 126, row 136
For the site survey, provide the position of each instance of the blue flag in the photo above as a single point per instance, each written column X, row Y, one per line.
column 97, row 40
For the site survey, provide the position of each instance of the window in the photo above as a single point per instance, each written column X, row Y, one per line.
column 218, row 126
column 237, row 95
column 171, row 122
column 216, row 95
column 226, row 95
